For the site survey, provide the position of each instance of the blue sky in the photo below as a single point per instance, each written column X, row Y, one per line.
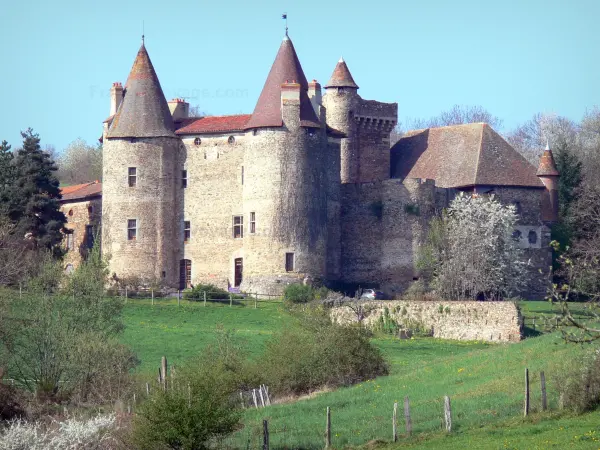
column 513, row 57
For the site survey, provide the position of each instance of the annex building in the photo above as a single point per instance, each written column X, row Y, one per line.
column 306, row 187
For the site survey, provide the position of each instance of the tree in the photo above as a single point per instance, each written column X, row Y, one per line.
column 473, row 253
column 35, row 195
column 531, row 138
column 80, row 163
column 458, row 115
column 6, row 175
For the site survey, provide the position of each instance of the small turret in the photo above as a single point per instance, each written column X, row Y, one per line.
column 341, row 77
column 548, row 174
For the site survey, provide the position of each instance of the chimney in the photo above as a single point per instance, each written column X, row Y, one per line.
column 314, row 94
column 116, row 97
column 180, row 109
column 290, row 92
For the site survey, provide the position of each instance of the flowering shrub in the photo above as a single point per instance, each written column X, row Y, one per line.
column 72, row 434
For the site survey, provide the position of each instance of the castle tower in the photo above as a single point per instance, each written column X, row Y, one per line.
column 139, row 157
column 548, row 174
column 341, row 102
column 285, row 185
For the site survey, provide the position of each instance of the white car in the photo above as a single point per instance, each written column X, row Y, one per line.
column 372, row 294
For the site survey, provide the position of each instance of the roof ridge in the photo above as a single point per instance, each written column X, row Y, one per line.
column 480, row 150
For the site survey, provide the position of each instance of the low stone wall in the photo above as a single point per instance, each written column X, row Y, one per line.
column 467, row 320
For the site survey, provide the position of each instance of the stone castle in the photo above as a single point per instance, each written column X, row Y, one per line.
column 307, row 187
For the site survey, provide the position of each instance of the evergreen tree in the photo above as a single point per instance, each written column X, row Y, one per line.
column 35, row 195
column 570, row 168
column 6, row 176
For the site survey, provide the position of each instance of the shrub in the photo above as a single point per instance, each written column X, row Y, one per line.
column 300, row 293
column 212, row 293
column 193, row 412
column 317, row 353
column 580, row 387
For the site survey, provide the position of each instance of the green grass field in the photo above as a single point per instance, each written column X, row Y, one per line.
column 484, row 381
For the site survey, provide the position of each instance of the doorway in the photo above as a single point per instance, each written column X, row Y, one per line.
column 239, row 268
column 185, row 274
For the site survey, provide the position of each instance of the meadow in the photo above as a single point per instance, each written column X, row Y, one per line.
column 484, row 381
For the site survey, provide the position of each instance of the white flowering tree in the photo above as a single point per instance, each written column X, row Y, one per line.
column 475, row 254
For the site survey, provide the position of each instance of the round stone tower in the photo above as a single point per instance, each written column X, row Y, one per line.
column 340, row 102
column 285, row 185
column 138, row 194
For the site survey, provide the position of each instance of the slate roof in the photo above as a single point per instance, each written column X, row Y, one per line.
column 286, row 68
column 81, row 191
column 144, row 111
column 213, row 124
column 547, row 167
column 341, row 76
column 460, row 156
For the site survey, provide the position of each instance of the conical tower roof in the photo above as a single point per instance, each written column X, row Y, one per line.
column 341, row 76
column 547, row 167
column 286, row 68
column 144, row 111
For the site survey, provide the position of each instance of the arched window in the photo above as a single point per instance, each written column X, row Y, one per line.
column 532, row 236
column 231, row 140
column 70, row 212
column 197, row 141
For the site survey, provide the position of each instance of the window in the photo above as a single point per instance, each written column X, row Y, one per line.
column 184, row 179
column 517, row 206
column 187, row 233
column 70, row 213
column 238, row 227
column 71, row 241
column 252, row 222
column 90, row 210
column 89, row 236
column 517, row 235
column 197, row 141
column 242, row 174
column 231, row 140
column 132, row 172
column 532, row 237
column 131, row 229
column 289, row 262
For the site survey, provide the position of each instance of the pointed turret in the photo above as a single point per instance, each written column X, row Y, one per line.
column 144, row 111
column 547, row 167
column 285, row 69
column 548, row 174
column 341, row 77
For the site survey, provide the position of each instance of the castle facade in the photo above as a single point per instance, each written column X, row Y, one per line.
column 306, row 187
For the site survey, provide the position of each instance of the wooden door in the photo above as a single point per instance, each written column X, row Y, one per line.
column 239, row 268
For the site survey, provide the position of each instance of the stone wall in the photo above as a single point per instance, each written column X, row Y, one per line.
column 466, row 320
column 80, row 214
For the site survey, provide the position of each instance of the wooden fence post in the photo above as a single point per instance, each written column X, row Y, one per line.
column 230, row 300
column 407, row 419
column 152, row 292
column 148, row 389
column 255, row 300
column 544, row 398
column 125, row 294
column 448, row 414
column 254, row 398
column 189, row 395
column 163, row 366
column 179, row 299
column 328, row 429
column 265, row 435
column 204, row 292
column 526, row 406
column 395, row 423
column 262, row 399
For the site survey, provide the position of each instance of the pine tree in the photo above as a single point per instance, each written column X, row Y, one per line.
column 35, row 195
column 6, row 176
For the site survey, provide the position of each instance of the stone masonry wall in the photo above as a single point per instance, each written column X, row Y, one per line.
column 466, row 320
column 80, row 214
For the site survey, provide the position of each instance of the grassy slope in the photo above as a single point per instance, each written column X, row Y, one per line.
column 484, row 381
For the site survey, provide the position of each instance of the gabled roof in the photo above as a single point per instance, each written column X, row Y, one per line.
column 460, row 156
column 144, row 111
column 341, row 76
column 81, row 191
column 213, row 124
column 286, row 68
